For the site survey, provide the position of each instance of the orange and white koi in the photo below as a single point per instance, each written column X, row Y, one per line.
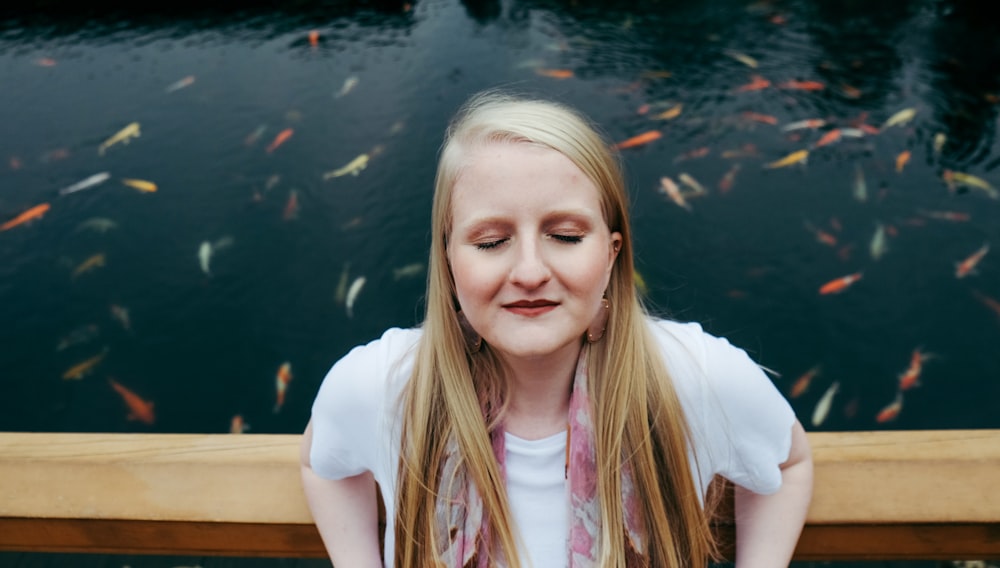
column 280, row 139
column 639, row 140
column 757, row 83
column 281, row 381
column 968, row 266
column 812, row 123
column 890, row 411
column 911, row 376
column 180, row 84
column 674, row 192
column 838, row 285
column 31, row 214
column 902, row 159
column 89, row 264
column 803, row 85
column 801, row 384
column 291, row 207
column 83, row 368
column 799, row 157
column 138, row 409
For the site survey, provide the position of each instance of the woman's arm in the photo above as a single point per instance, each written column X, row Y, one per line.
column 768, row 526
column 345, row 512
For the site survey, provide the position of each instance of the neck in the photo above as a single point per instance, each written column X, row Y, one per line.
column 539, row 393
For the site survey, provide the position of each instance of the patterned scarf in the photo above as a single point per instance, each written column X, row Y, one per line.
column 464, row 531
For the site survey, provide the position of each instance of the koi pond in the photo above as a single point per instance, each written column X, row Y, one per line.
column 199, row 206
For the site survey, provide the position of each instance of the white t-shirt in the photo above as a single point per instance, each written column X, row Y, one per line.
column 740, row 425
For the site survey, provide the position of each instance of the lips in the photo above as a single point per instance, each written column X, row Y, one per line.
column 530, row 304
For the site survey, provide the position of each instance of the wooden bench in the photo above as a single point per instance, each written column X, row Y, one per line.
column 878, row 495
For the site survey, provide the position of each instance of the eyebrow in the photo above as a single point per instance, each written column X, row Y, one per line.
column 552, row 218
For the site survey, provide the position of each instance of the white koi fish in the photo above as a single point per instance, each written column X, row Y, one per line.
column 123, row 136
column 352, row 295
column 208, row 248
column 823, row 406
column 900, row 118
column 878, row 245
column 85, row 183
column 353, row 167
column 348, row 86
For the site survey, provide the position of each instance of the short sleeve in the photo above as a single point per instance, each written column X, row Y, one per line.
column 741, row 425
column 349, row 414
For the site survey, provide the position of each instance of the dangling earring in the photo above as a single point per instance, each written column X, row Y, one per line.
column 473, row 341
column 596, row 330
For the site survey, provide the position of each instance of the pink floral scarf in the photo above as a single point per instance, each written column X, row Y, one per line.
column 464, row 532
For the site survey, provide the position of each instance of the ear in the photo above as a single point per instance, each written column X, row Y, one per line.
column 616, row 247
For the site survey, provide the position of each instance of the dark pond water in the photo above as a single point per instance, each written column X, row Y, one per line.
column 240, row 108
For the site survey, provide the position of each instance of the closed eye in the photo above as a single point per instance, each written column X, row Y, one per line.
column 572, row 239
column 490, row 244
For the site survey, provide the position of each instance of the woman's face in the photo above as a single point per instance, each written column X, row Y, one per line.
column 529, row 250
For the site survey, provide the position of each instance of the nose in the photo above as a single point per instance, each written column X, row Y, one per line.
column 529, row 269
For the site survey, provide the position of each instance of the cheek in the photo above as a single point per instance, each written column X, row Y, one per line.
column 472, row 283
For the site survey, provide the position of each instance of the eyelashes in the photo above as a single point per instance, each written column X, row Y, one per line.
column 567, row 239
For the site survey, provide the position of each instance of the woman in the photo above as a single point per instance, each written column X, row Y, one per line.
column 539, row 417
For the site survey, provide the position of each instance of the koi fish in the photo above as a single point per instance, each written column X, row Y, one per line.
column 987, row 301
column 670, row 113
column 140, row 184
column 120, row 314
column 281, row 381
column 838, row 285
column 207, row 249
column 911, row 376
column 849, row 132
column 758, row 117
column 954, row 216
column 812, row 123
column 823, row 406
column 79, row 335
column 798, row 157
column 124, row 136
column 878, row 245
column 821, row 235
column 353, row 167
column 674, row 192
column 31, row 214
column 900, row 118
column 639, row 140
column 291, row 207
column 757, row 83
column 555, row 73
column 280, row 139
column 744, row 151
column 891, row 411
column 968, row 266
column 237, row 425
column 99, row 224
column 860, row 188
column 689, row 181
column 803, row 85
column 138, row 409
column 828, row 138
column 801, row 384
column 902, row 159
column 953, row 178
column 692, row 154
column 348, row 86
column 83, row 368
column 254, row 136
column 45, row 62
column 313, row 38
column 178, row 85
column 89, row 264
column 939, row 140
column 341, row 293
column 850, row 91
column 352, row 295
column 408, row 271
column 742, row 58
column 86, row 183
column 726, row 183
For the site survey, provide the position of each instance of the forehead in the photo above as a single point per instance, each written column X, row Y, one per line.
column 497, row 178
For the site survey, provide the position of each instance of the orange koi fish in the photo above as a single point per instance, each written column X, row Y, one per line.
column 987, row 301
column 237, row 425
column 911, row 376
column 693, row 154
column 838, row 285
column 139, row 409
column 670, row 113
column 291, row 207
column 850, row 91
column 180, row 84
column 313, row 38
column 757, row 117
column 968, row 266
column 954, row 216
column 643, row 109
column 35, row 212
column 639, row 140
column 555, row 73
column 803, row 85
column 869, row 129
column 891, row 411
column 726, row 183
column 757, row 83
column 280, row 139
column 282, row 379
column 828, row 138
column 821, row 235
column 81, row 369
column 902, row 159
column 801, row 384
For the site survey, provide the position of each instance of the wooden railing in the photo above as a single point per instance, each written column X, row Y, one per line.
column 878, row 495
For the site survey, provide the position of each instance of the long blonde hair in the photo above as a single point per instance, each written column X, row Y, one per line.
column 638, row 418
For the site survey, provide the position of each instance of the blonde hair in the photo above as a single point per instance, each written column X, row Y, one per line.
column 638, row 418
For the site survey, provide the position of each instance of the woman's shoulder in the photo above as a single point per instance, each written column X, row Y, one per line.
column 675, row 338
column 371, row 366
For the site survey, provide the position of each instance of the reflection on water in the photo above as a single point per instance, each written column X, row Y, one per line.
column 271, row 205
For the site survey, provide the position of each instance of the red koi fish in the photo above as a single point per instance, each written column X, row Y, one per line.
column 987, row 301
column 828, row 138
column 761, row 118
column 280, row 139
column 891, row 411
column 291, row 207
column 757, row 83
column 313, row 38
column 838, row 285
column 139, row 409
column 639, row 140
column 555, row 73
column 803, row 85
column 801, row 384
column 35, row 212
column 726, row 183
column 911, row 376
column 281, row 381
column 968, row 266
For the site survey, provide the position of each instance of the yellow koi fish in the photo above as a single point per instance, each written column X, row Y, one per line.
column 140, row 184
column 670, row 113
column 89, row 264
column 123, row 136
column 742, row 58
column 78, row 371
column 353, row 167
column 799, row 157
column 900, row 118
column 952, row 178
